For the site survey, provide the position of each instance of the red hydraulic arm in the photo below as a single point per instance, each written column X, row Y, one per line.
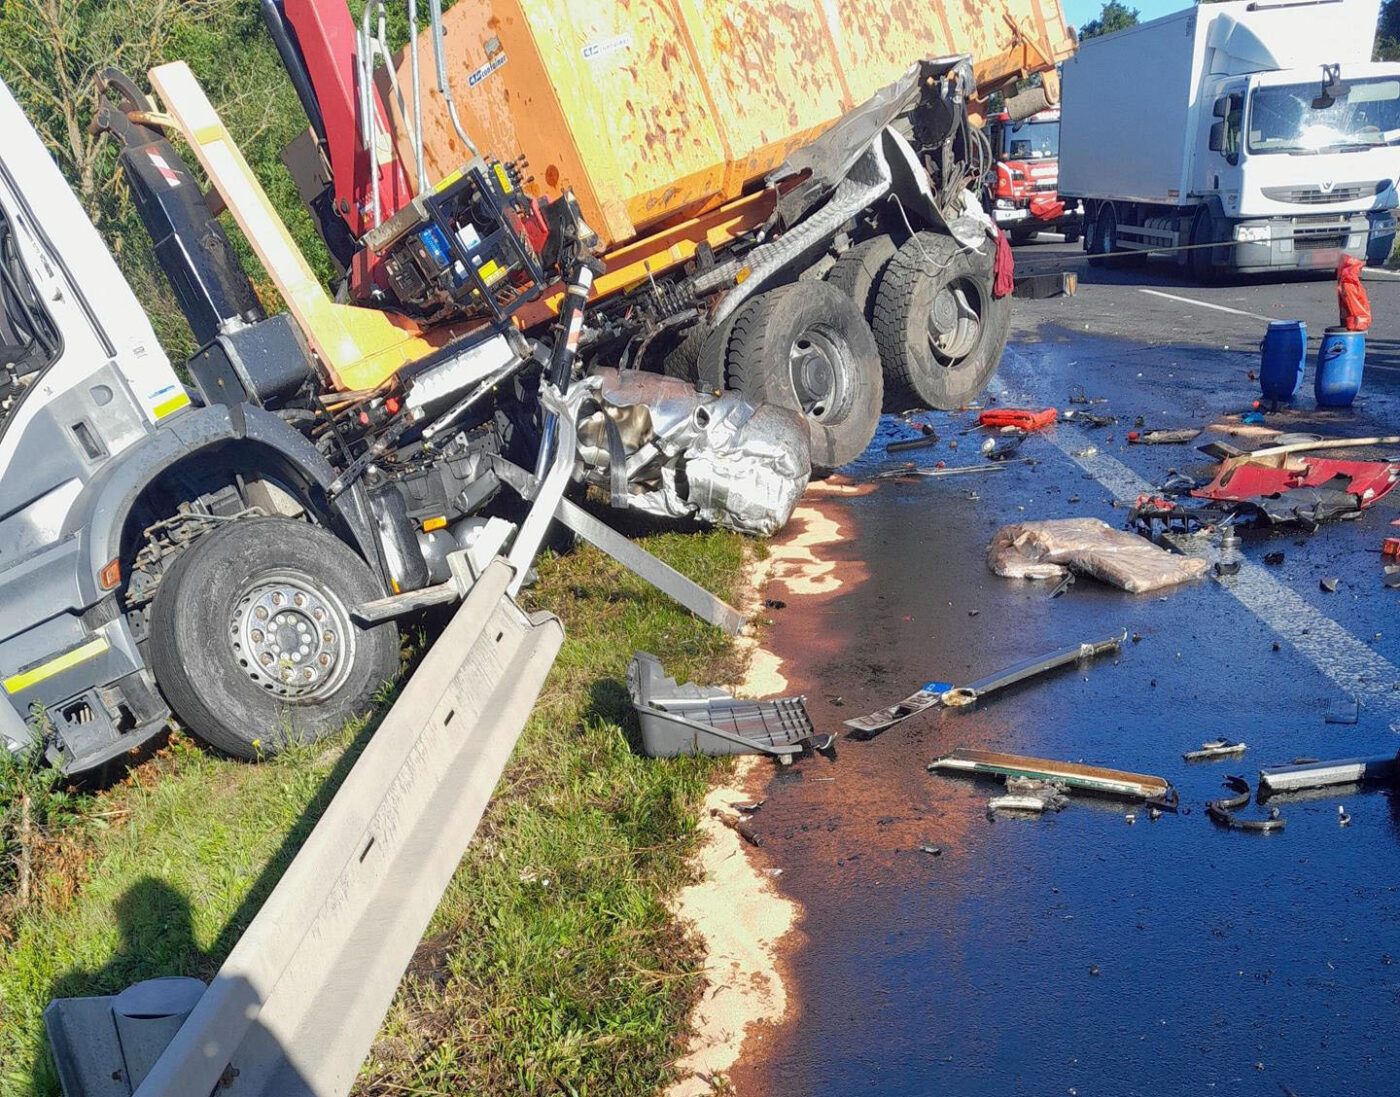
column 325, row 31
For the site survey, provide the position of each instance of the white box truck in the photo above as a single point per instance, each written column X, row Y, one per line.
column 1260, row 127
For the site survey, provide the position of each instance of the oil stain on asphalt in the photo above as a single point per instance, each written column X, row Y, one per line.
column 1074, row 953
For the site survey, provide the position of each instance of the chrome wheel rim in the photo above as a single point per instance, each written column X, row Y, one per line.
column 292, row 636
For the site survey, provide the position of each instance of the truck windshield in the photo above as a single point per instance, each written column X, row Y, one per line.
column 29, row 343
column 1031, row 141
column 1287, row 118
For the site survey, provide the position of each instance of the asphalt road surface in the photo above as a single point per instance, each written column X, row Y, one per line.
column 1078, row 953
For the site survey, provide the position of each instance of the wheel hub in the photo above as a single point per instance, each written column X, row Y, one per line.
column 291, row 637
column 814, row 366
column 955, row 321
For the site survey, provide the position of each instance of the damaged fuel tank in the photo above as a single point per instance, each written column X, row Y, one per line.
column 659, row 446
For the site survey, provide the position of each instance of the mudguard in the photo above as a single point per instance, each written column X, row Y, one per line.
column 99, row 513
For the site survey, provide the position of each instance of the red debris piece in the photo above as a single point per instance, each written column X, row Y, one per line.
column 1247, row 480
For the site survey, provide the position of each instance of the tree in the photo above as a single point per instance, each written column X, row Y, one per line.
column 1388, row 32
column 51, row 52
column 1117, row 16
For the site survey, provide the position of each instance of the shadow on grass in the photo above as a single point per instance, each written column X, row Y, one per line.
column 608, row 700
column 155, row 917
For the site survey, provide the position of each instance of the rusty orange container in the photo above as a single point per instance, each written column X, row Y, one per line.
column 656, row 111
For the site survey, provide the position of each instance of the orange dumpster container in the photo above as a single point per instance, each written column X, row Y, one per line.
column 656, row 112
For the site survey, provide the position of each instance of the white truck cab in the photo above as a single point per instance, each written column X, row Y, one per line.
column 1253, row 136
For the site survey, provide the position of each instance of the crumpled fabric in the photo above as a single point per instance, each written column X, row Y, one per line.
column 1004, row 267
column 1088, row 546
column 1353, row 306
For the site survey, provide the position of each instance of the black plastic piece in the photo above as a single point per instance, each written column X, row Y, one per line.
column 264, row 364
column 210, row 284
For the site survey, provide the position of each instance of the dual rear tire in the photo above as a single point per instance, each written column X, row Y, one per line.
column 890, row 327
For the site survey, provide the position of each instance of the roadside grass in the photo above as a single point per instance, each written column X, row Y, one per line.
column 552, row 965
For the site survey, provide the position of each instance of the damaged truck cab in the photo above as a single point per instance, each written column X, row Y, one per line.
column 98, row 434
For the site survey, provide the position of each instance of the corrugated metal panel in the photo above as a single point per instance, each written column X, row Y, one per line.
column 657, row 110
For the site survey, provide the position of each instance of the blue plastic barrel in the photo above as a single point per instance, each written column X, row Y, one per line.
column 1282, row 356
column 1339, row 363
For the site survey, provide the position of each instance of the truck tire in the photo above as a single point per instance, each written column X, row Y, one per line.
column 939, row 329
column 858, row 271
column 806, row 345
column 1072, row 236
column 252, row 642
column 1103, row 237
column 1199, row 260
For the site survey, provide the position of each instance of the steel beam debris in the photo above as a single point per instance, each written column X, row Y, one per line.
column 1108, row 782
column 296, row 1005
column 944, row 693
column 1346, row 771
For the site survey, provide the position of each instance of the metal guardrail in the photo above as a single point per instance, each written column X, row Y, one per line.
column 295, row 1008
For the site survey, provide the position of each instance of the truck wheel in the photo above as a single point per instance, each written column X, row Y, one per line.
column 806, row 345
column 858, row 271
column 251, row 637
column 1200, row 266
column 1104, row 237
column 1072, row 236
column 939, row 329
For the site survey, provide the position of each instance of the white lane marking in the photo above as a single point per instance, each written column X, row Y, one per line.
column 1204, row 304
column 1354, row 667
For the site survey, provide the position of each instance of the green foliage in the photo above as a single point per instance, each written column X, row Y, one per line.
column 51, row 52
column 1113, row 17
column 1388, row 32
column 552, row 964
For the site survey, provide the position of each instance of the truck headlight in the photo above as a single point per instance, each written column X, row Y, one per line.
column 1252, row 234
column 1006, row 203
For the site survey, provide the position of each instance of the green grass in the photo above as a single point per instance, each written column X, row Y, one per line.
column 552, row 964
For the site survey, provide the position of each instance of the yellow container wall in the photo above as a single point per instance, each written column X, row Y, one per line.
column 656, row 110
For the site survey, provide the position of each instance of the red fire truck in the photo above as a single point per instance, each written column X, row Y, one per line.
column 1028, row 173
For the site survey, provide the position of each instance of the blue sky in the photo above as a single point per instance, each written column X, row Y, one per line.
column 1079, row 12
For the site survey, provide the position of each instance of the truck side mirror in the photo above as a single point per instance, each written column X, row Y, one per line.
column 1222, row 106
column 1217, row 137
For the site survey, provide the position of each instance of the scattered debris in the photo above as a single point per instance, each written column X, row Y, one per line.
column 1163, row 437
column 1003, row 445
column 1222, row 811
column 1089, row 419
column 738, row 826
column 1273, row 559
column 1303, row 774
column 774, row 603
column 961, row 470
column 1063, row 585
column 1030, row 794
column 1311, row 442
column 693, row 719
column 1045, row 550
column 748, row 809
column 932, row 851
column 1109, row 782
column 936, row 693
column 1343, row 819
column 1343, row 712
column 1329, row 585
column 1087, row 451
column 1229, row 561
column 1077, row 395
column 929, row 437
column 1215, row 748
column 1391, row 576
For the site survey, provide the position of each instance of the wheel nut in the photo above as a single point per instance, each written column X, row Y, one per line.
column 277, row 598
column 299, row 599
column 260, row 613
